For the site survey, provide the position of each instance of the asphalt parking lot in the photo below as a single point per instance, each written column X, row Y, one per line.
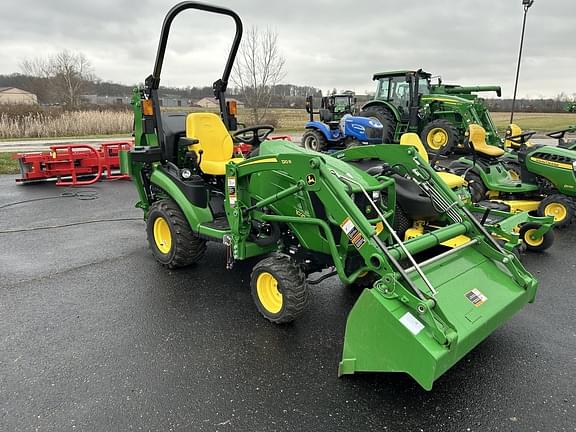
column 96, row 336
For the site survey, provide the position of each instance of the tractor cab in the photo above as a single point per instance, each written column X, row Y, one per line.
column 402, row 89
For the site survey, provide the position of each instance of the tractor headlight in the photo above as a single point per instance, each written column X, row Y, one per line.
column 185, row 173
column 574, row 166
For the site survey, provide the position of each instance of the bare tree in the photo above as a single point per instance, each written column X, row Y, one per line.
column 67, row 73
column 258, row 68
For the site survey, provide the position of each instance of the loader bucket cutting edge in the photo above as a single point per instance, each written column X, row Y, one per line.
column 384, row 335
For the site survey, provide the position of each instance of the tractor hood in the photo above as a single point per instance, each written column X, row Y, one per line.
column 282, row 147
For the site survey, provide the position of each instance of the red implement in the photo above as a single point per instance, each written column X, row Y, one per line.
column 73, row 162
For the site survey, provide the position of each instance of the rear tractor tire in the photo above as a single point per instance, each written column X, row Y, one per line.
column 475, row 187
column 279, row 288
column 440, row 137
column 532, row 244
column 386, row 118
column 170, row 237
column 314, row 140
column 561, row 207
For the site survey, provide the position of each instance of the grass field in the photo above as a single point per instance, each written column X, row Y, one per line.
column 110, row 123
column 7, row 165
column 541, row 122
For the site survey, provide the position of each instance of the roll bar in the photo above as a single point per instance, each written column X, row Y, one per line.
column 152, row 82
column 154, row 79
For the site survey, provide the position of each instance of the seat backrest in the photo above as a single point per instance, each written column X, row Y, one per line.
column 477, row 139
column 513, row 130
column 412, row 139
column 214, row 139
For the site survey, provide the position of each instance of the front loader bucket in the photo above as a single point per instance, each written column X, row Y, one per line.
column 474, row 294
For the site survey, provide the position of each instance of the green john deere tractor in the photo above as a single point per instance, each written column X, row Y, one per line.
column 303, row 212
column 407, row 101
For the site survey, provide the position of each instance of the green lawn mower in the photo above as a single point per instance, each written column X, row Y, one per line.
column 302, row 212
column 416, row 213
column 546, row 183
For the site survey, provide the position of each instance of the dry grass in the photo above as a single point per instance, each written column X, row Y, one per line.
column 64, row 124
column 109, row 122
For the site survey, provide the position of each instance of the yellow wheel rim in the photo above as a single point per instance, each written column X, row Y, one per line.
column 268, row 294
column 437, row 138
column 162, row 235
column 530, row 240
column 557, row 210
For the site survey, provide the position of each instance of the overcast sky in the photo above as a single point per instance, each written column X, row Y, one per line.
column 326, row 43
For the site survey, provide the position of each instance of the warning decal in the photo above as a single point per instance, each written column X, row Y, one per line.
column 476, row 297
column 356, row 238
column 232, row 191
column 411, row 323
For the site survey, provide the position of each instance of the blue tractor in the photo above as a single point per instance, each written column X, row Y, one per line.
column 338, row 128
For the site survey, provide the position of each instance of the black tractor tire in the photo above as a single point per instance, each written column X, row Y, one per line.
column 386, row 118
column 443, row 129
column 535, row 245
column 476, row 186
column 167, row 224
column 402, row 222
column 314, row 140
column 560, row 206
column 279, row 288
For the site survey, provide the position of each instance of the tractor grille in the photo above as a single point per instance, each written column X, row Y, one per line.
column 374, row 133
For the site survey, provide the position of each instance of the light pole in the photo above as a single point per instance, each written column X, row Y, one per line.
column 526, row 4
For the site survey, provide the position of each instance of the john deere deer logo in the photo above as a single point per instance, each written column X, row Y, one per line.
column 310, row 179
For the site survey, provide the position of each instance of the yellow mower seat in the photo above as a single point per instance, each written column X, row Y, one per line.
column 411, row 139
column 477, row 138
column 214, row 141
column 514, row 130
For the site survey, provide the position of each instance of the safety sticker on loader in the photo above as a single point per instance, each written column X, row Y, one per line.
column 232, row 191
column 476, row 297
column 356, row 238
column 411, row 323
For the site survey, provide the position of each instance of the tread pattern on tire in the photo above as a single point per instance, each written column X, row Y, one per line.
column 386, row 118
column 291, row 283
column 188, row 248
column 322, row 142
column 452, row 131
column 564, row 200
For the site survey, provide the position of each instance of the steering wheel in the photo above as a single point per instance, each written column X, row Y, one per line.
column 252, row 135
column 521, row 138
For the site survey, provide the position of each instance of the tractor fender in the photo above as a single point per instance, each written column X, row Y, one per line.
column 194, row 215
column 459, row 166
column 320, row 127
column 386, row 105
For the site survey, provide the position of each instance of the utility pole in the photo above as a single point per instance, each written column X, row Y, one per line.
column 526, row 4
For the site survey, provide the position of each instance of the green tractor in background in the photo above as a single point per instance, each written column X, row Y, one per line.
column 570, row 107
column 407, row 101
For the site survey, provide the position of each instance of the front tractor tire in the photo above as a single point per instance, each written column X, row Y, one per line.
column 561, row 207
column 439, row 137
column 279, row 288
column 170, row 237
column 386, row 118
column 314, row 140
column 532, row 244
